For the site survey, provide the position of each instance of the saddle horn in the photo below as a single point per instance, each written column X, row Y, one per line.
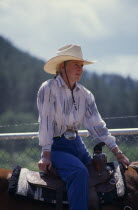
column 98, row 147
column 99, row 158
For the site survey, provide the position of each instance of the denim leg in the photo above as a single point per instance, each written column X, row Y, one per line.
column 75, row 147
column 75, row 175
column 81, row 150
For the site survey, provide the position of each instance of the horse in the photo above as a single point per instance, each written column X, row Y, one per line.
column 10, row 202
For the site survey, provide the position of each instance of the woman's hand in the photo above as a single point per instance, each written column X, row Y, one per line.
column 45, row 163
column 122, row 159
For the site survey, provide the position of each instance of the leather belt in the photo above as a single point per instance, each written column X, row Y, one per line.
column 69, row 134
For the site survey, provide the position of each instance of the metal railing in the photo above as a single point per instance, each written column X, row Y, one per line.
column 114, row 132
column 23, row 148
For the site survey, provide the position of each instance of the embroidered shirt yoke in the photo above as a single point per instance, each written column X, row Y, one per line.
column 57, row 113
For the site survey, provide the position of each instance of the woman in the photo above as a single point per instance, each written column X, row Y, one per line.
column 64, row 105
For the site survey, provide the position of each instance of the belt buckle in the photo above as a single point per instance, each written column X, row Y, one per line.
column 70, row 134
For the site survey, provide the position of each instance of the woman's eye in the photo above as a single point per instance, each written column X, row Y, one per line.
column 77, row 65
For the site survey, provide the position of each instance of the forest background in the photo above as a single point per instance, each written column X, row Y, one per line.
column 22, row 74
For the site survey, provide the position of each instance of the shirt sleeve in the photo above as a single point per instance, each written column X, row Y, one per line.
column 94, row 123
column 45, row 108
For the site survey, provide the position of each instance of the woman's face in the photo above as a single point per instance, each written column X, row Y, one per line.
column 74, row 70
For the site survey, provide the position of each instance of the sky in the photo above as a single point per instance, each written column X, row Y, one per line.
column 106, row 30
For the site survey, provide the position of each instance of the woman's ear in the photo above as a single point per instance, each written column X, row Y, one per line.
column 61, row 66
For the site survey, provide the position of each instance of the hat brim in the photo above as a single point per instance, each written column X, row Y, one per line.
column 52, row 66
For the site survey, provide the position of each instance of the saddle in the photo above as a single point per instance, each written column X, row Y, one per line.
column 104, row 179
column 51, row 185
column 107, row 182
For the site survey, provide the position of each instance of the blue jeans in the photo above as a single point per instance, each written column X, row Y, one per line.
column 69, row 158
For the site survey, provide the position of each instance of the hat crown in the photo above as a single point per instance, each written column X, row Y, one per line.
column 66, row 53
column 70, row 50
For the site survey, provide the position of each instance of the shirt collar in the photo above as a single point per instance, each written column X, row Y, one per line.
column 61, row 83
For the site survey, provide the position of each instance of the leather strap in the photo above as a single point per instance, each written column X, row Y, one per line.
column 59, row 197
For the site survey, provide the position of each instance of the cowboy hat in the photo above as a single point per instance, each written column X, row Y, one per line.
column 66, row 53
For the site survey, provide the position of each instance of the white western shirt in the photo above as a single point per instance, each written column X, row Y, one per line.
column 57, row 113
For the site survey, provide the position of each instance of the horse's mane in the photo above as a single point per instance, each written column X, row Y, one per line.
column 134, row 165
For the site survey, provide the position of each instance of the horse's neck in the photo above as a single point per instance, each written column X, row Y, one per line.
column 5, row 173
column 131, row 171
column 131, row 175
column 4, row 179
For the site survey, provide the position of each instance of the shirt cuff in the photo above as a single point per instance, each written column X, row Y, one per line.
column 111, row 145
column 115, row 146
column 110, row 142
column 46, row 148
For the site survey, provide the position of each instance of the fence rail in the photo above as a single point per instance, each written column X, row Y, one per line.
column 114, row 132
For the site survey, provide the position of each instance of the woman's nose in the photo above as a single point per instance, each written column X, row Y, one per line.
column 80, row 68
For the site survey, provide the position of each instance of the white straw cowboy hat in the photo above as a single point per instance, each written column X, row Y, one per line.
column 66, row 53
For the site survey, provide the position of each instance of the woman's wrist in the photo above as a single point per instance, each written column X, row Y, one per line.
column 46, row 155
column 118, row 153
